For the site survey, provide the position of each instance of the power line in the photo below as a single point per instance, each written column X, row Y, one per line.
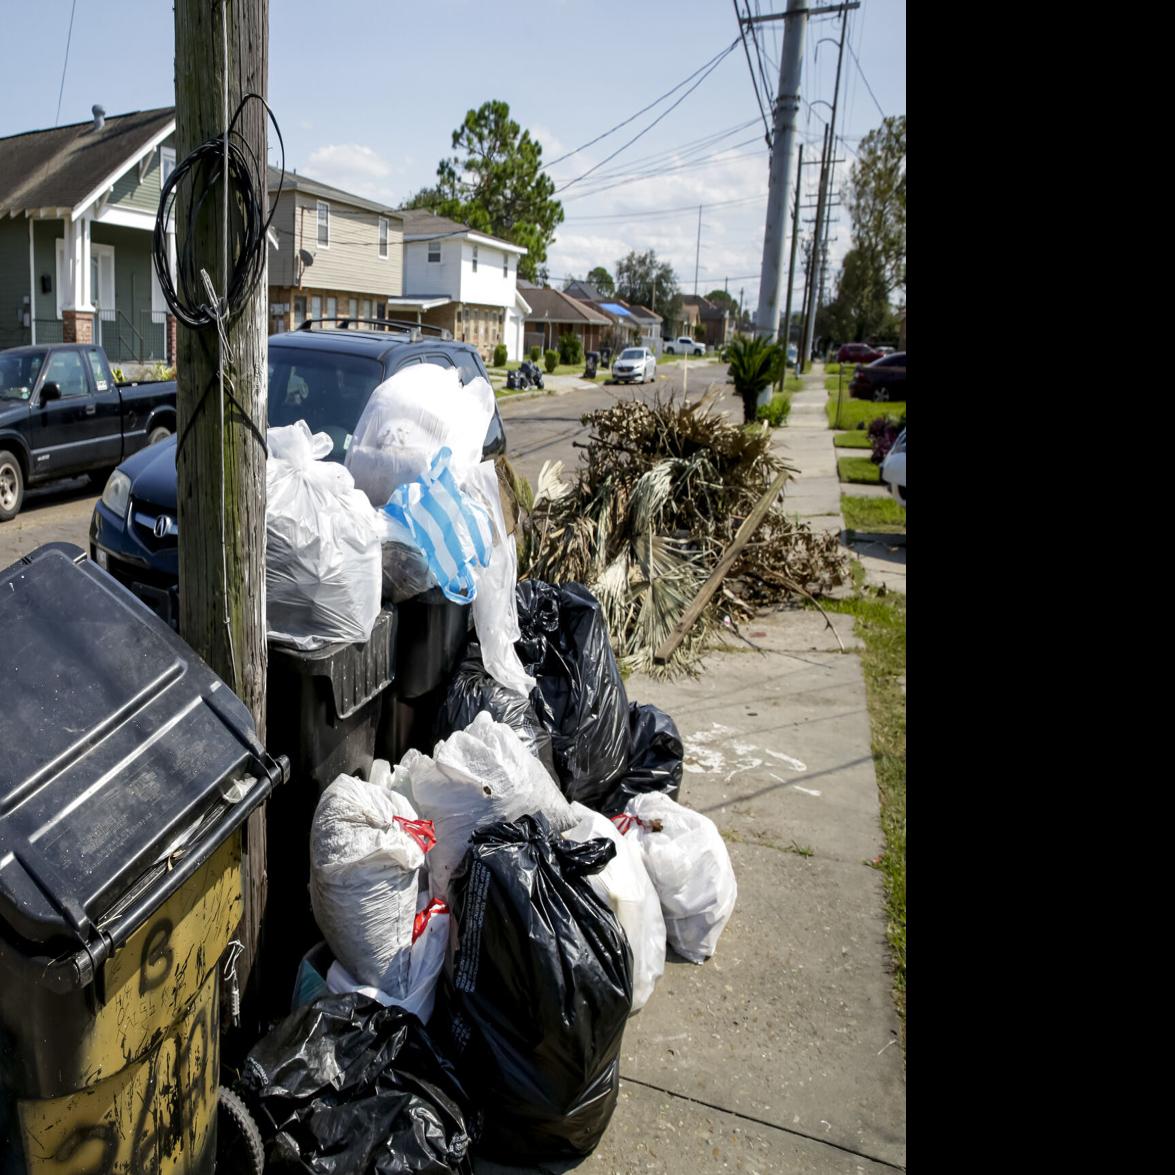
column 713, row 61
column 754, row 82
column 721, row 157
column 665, row 211
column 872, row 95
column 65, row 64
column 718, row 61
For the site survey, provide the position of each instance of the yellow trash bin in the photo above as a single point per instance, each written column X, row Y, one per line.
column 127, row 772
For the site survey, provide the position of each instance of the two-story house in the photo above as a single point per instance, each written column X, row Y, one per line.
column 337, row 255
column 463, row 280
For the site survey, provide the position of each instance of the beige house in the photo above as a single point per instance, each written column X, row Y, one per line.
column 337, row 255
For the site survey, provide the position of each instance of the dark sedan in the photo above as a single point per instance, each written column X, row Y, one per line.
column 857, row 353
column 883, row 379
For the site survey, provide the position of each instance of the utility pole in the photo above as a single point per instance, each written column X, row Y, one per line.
column 812, row 273
column 698, row 251
column 826, row 185
column 221, row 466
column 787, row 105
column 791, row 266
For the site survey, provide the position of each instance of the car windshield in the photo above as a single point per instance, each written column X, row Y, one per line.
column 632, row 353
column 327, row 390
column 18, row 374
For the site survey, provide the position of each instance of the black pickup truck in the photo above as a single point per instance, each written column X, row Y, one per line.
column 62, row 414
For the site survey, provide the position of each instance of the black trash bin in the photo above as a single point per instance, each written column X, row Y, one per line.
column 127, row 773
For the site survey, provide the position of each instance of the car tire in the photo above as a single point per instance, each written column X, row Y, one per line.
column 158, row 434
column 11, row 485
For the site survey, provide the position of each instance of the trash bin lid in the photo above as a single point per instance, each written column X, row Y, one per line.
column 117, row 740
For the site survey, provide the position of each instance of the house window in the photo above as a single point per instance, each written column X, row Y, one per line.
column 505, row 264
column 475, row 259
column 166, row 164
column 324, row 224
column 332, row 308
column 299, row 310
column 365, row 308
column 383, row 236
column 316, row 306
column 352, row 307
column 434, row 250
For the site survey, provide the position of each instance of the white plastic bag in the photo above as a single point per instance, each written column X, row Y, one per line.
column 366, row 850
column 476, row 776
column 323, row 567
column 427, row 959
column 495, row 607
column 686, row 859
column 625, row 885
column 409, row 418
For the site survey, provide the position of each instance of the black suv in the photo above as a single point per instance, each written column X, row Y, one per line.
column 322, row 376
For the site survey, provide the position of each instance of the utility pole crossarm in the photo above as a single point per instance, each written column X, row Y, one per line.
column 826, row 10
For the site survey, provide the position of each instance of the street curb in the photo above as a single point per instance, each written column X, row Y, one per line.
column 882, row 538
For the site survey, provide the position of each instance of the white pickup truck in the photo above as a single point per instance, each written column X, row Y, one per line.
column 684, row 345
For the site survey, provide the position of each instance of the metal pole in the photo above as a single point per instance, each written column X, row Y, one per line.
column 787, row 105
column 698, row 251
column 814, row 263
column 791, row 267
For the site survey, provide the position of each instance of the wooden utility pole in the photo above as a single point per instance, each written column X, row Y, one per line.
column 222, row 536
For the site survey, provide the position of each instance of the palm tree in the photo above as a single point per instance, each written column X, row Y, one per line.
column 755, row 364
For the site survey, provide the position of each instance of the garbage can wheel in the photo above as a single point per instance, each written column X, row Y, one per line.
column 239, row 1149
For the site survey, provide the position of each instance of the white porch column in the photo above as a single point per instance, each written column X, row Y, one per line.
column 77, row 294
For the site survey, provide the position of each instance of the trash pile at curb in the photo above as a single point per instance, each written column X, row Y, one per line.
column 496, row 901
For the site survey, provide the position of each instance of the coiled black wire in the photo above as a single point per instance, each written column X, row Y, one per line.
column 186, row 295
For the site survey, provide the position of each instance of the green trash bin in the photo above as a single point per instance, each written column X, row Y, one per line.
column 128, row 772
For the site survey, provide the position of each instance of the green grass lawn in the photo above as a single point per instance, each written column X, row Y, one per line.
column 857, row 439
column 858, row 469
column 881, row 624
column 854, row 412
column 873, row 515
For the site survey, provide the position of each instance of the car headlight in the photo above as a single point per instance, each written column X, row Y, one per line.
column 117, row 493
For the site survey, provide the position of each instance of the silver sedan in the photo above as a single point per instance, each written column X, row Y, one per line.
column 634, row 364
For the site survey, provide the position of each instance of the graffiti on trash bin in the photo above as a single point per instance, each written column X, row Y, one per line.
column 157, row 958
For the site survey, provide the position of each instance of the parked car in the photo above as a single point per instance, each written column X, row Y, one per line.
column 684, row 345
column 883, row 379
column 324, row 377
column 857, row 353
column 893, row 468
column 634, row 364
column 62, row 413
column 793, row 353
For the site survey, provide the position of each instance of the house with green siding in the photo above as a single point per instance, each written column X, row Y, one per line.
column 77, row 214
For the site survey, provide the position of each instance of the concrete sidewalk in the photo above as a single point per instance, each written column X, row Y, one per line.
column 780, row 1053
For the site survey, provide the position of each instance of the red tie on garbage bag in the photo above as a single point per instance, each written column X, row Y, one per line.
column 436, row 906
column 421, row 831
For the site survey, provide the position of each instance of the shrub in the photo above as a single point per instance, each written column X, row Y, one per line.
column 755, row 364
column 570, row 349
column 535, row 354
column 883, row 431
column 551, row 360
column 500, row 355
column 775, row 413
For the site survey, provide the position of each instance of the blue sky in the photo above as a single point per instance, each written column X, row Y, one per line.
column 367, row 97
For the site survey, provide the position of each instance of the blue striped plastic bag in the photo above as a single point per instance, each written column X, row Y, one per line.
column 453, row 531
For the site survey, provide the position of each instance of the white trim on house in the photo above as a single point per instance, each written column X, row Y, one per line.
column 125, row 218
column 468, row 235
column 126, row 164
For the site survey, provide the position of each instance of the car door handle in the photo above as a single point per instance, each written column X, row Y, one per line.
column 91, row 409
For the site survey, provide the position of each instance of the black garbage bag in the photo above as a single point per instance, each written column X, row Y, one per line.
column 655, row 756
column 345, row 1086
column 580, row 695
column 405, row 573
column 536, row 991
column 472, row 690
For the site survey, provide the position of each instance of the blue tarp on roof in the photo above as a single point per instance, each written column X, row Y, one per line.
column 616, row 308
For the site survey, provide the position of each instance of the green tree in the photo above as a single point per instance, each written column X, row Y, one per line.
column 496, row 185
column 721, row 298
column 876, row 198
column 645, row 281
column 602, row 280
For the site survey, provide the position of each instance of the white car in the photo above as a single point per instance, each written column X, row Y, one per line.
column 634, row 363
column 893, row 468
column 684, row 345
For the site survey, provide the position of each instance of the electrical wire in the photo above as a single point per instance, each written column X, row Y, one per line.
column 853, row 54
column 186, row 296
column 669, row 110
column 758, row 98
column 65, row 64
column 691, row 208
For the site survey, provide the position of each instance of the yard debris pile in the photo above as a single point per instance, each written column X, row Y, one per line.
column 659, row 494
column 497, row 897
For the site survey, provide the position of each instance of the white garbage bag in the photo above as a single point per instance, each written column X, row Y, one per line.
column 477, row 776
column 686, row 859
column 495, row 607
column 366, row 850
column 427, row 958
column 323, row 569
column 625, row 885
column 409, row 418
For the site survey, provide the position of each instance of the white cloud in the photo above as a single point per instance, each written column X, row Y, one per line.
column 356, row 168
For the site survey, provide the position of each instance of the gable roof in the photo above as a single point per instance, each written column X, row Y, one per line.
column 556, row 306
column 68, row 167
column 643, row 313
column 292, row 181
column 422, row 225
column 584, row 292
